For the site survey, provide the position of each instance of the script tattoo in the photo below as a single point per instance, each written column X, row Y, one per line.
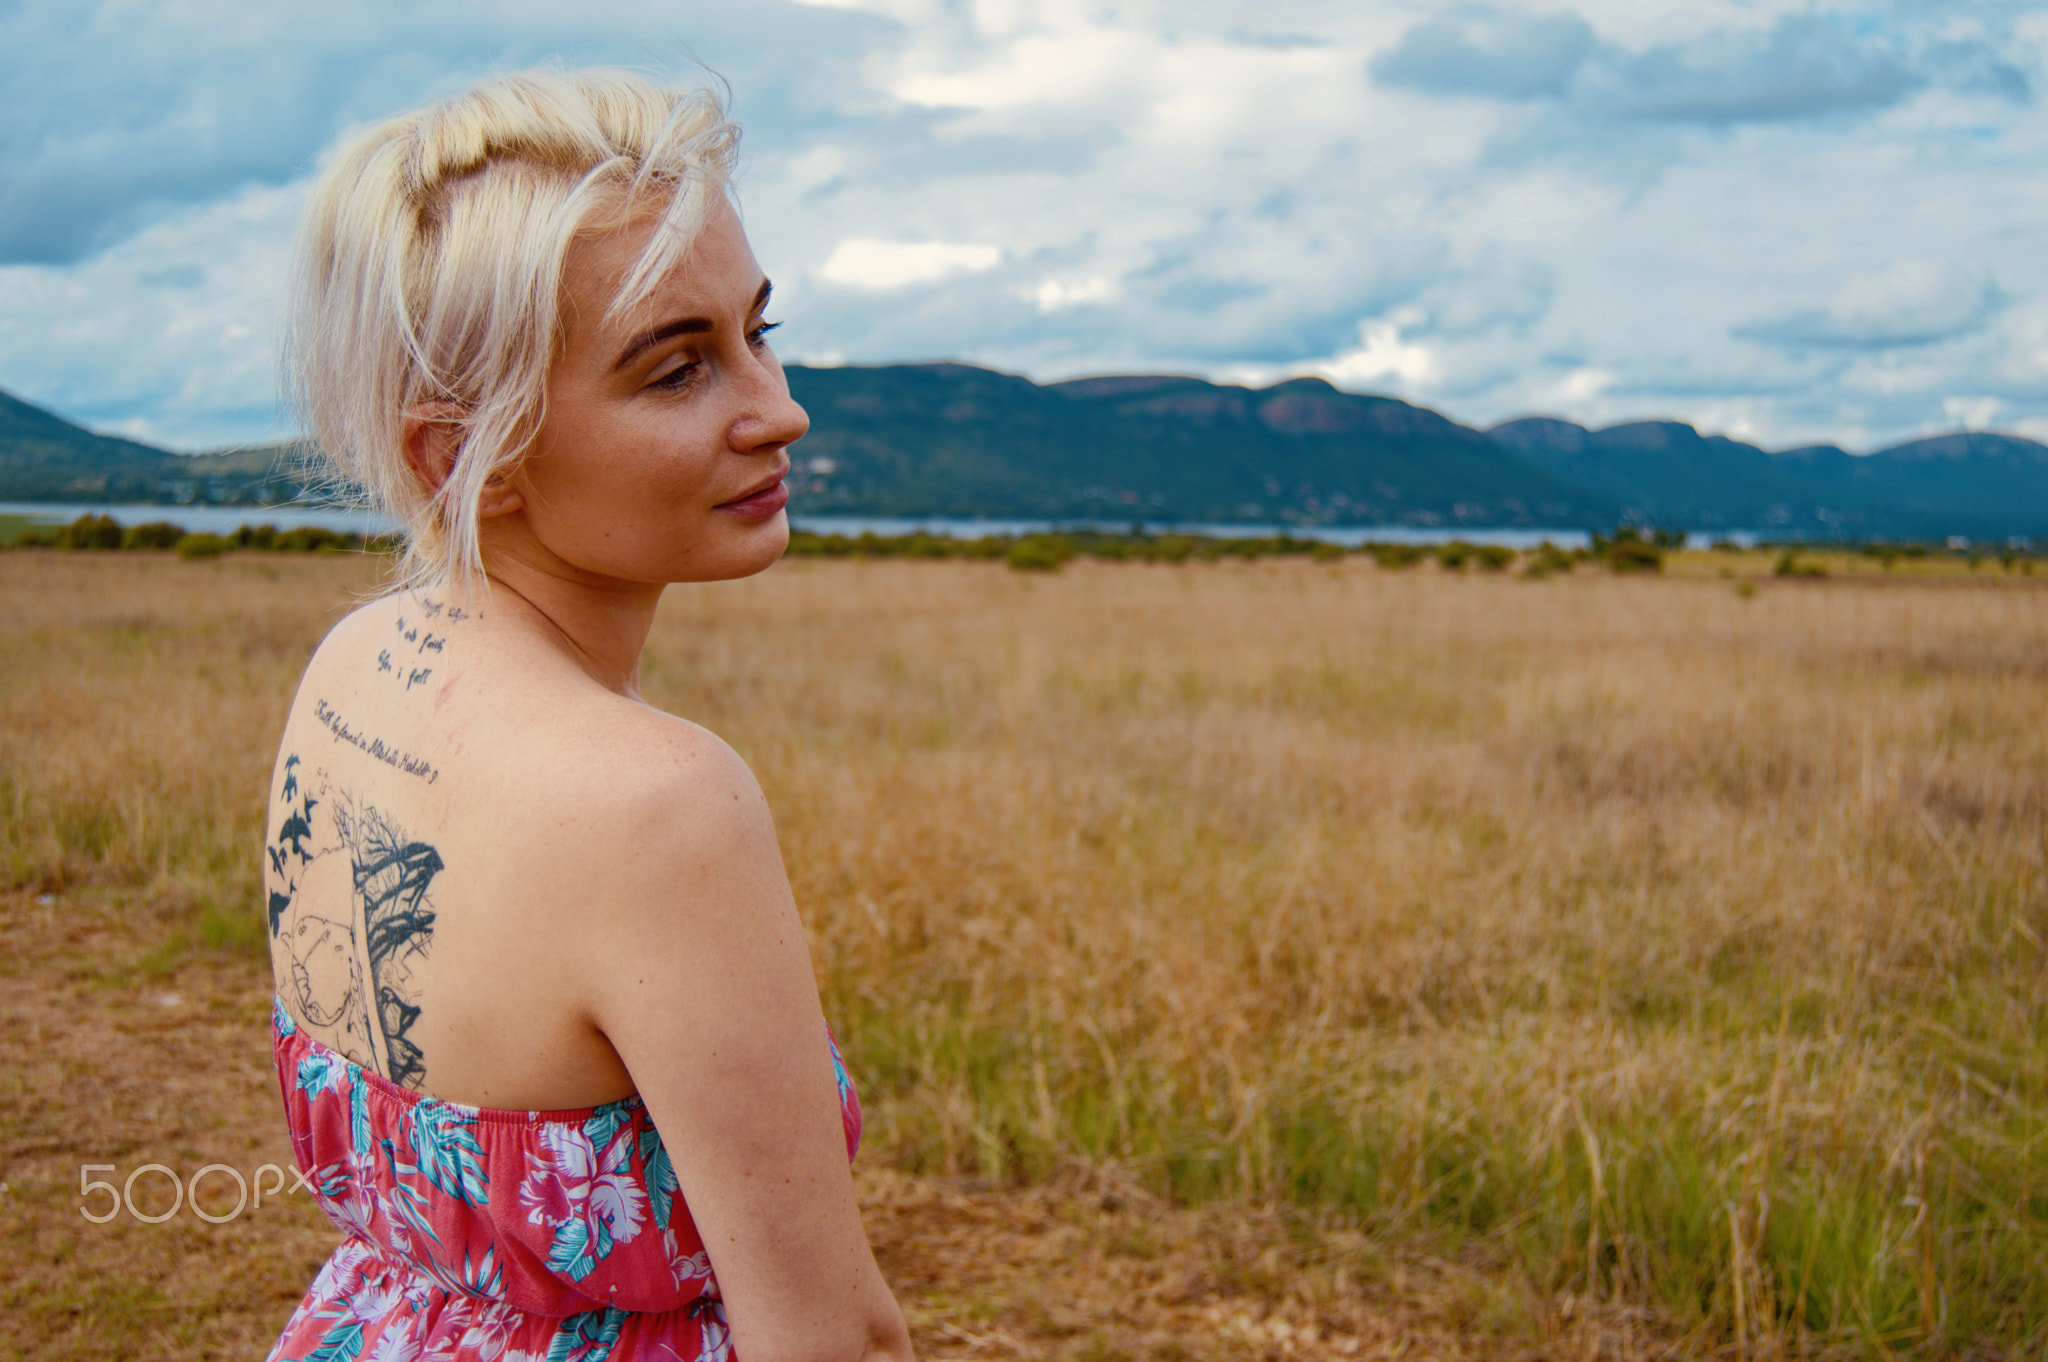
column 332, row 721
column 351, row 917
column 421, row 635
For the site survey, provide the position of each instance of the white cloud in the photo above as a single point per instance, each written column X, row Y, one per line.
column 903, row 11
column 1380, row 356
column 865, row 262
column 1583, row 385
column 1052, row 295
column 1972, row 413
column 1909, row 302
column 1032, row 71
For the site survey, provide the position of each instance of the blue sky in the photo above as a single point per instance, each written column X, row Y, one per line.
column 1786, row 222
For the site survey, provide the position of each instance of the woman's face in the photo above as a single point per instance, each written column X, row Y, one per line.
column 661, row 454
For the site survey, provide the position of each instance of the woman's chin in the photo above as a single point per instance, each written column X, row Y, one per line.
column 756, row 547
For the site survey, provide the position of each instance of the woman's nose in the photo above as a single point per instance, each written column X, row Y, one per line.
column 770, row 417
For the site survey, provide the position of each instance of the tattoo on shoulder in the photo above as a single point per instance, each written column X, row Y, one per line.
column 352, row 918
column 422, row 630
column 330, row 719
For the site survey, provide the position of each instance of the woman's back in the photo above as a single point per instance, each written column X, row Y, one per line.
column 441, row 791
column 437, row 796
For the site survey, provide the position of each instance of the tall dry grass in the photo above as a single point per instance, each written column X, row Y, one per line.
column 1635, row 937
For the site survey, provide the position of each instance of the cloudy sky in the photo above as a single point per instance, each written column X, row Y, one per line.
column 1787, row 222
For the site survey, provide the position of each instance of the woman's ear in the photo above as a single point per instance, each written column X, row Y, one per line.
column 432, row 437
column 499, row 497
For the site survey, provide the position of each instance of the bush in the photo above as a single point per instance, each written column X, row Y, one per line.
column 90, row 531
column 1628, row 551
column 1790, row 565
column 1040, row 553
column 1547, row 559
column 312, row 539
column 204, row 545
column 1398, row 556
column 157, row 534
column 1635, row 556
column 1493, row 557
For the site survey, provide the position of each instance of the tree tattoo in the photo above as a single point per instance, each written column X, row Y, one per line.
column 392, row 874
column 351, row 918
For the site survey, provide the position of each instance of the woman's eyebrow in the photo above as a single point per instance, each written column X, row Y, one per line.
column 682, row 326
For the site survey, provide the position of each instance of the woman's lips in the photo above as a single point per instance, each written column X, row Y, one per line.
column 759, row 505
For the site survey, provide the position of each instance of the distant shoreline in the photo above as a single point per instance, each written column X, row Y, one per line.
column 204, row 519
column 217, row 519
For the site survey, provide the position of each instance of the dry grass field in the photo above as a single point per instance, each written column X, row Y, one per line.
column 1245, row 959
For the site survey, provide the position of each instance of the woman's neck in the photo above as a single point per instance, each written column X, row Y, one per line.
column 599, row 626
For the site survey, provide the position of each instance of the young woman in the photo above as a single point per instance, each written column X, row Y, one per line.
column 548, row 1037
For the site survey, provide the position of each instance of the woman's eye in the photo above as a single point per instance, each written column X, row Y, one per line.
column 758, row 337
column 678, row 377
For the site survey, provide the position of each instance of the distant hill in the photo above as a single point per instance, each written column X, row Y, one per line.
column 43, row 457
column 948, row 439
column 954, row 440
column 1666, row 473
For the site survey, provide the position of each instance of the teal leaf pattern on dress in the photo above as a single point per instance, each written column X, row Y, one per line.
column 414, row 1206
column 839, row 1074
column 445, row 1143
column 319, row 1072
column 588, row 1337
column 660, row 1175
column 606, row 1122
column 358, row 1112
column 570, row 1253
column 343, row 1343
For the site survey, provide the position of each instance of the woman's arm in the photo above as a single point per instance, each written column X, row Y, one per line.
column 702, row 982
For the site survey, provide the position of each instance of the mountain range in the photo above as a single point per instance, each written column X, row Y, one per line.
column 43, row 457
column 957, row 441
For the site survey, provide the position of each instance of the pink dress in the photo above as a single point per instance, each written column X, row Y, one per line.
column 493, row 1236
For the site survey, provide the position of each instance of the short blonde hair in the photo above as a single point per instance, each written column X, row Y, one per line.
column 430, row 270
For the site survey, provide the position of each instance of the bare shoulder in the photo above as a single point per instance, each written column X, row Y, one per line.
column 657, row 814
column 649, row 768
column 364, row 622
column 671, row 758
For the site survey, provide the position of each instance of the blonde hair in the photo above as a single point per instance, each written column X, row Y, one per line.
column 430, row 270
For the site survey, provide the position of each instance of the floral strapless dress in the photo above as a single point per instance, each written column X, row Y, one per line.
column 476, row 1235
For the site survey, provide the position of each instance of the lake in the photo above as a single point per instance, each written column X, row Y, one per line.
column 224, row 519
